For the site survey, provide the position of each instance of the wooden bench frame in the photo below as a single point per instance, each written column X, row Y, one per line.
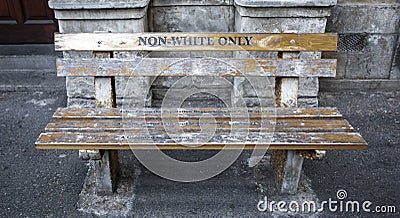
column 71, row 125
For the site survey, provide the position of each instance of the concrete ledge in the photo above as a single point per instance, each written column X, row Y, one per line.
column 161, row 3
column 97, row 4
column 285, row 3
column 28, row 49
column 101, row 14
column 329, row 85
column 284, row 11
column 368, row 2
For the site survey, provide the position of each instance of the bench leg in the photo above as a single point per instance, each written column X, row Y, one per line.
column 106, row 172
column 287, row 166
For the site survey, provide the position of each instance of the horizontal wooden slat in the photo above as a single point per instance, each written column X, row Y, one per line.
column 195, row 42
column 197, row 67
column 117, row 113
column 280, row 125
column 106, row 140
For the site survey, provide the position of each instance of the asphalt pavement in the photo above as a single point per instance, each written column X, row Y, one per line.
column 48, row 183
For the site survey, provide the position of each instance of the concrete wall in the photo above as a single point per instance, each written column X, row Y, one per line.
column 191, row 16
column 369, row 44
column 368, row 56
column 88, row 16
column 237, row 16
column 292, row 16
column 369, row 48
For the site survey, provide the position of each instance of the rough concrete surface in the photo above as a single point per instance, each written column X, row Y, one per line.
column 40, row 183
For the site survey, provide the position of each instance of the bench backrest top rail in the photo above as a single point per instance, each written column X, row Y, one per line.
column 196, row 41
column 197, row 67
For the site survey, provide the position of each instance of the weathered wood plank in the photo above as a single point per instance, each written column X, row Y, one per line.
column 196, row 42
column 281, row 125
column 287, row 172
column 108, row 167
column 104, row 92
column 286, row 92
column 286, row 89
column 292, row 172
column 197, row 67
column 287, row 141
column 117, row 113
column 105, row 98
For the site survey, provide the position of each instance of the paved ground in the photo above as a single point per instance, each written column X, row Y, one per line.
column 48, row 183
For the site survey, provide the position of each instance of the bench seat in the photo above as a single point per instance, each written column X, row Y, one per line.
column 272, row 128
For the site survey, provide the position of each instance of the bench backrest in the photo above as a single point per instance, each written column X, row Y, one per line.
column 105, row 42
column 287, row 68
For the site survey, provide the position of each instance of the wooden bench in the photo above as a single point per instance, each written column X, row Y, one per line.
column 296, row 132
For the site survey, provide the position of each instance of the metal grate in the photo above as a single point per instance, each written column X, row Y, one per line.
column 352, row 42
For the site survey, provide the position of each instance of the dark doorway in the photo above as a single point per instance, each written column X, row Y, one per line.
column 26, row 21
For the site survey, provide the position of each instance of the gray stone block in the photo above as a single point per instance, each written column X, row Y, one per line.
column 395, row 71
column 212, row 82
column 283, row 11
column 259, row 87
column 81, row 103
column 136, row 90
column 259, row 102
column 279, row 25
column 193, row 83
column 132, row 87
column 97, row 4
column 192, row 19
column 367, row 2
column 80, row 87
column 253, row 91
column 90, row 26
column 307, row 102
column 308, row 87
column 80, row 16
column 341, row 62
column 366, row 16
column 291, row 19
column 372, row 63
column 134, row 102
column 285, row 3
column 158, row 3
column 310, row 55
column 192, row 16
column 120, row 102
column 379, row 20
column 129, row 54
column 77, row 54
column 176, row 97
column 100, row 14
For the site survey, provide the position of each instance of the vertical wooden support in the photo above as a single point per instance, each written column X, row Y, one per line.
column 107, row 168
column 106, row 172
column 287, row 163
